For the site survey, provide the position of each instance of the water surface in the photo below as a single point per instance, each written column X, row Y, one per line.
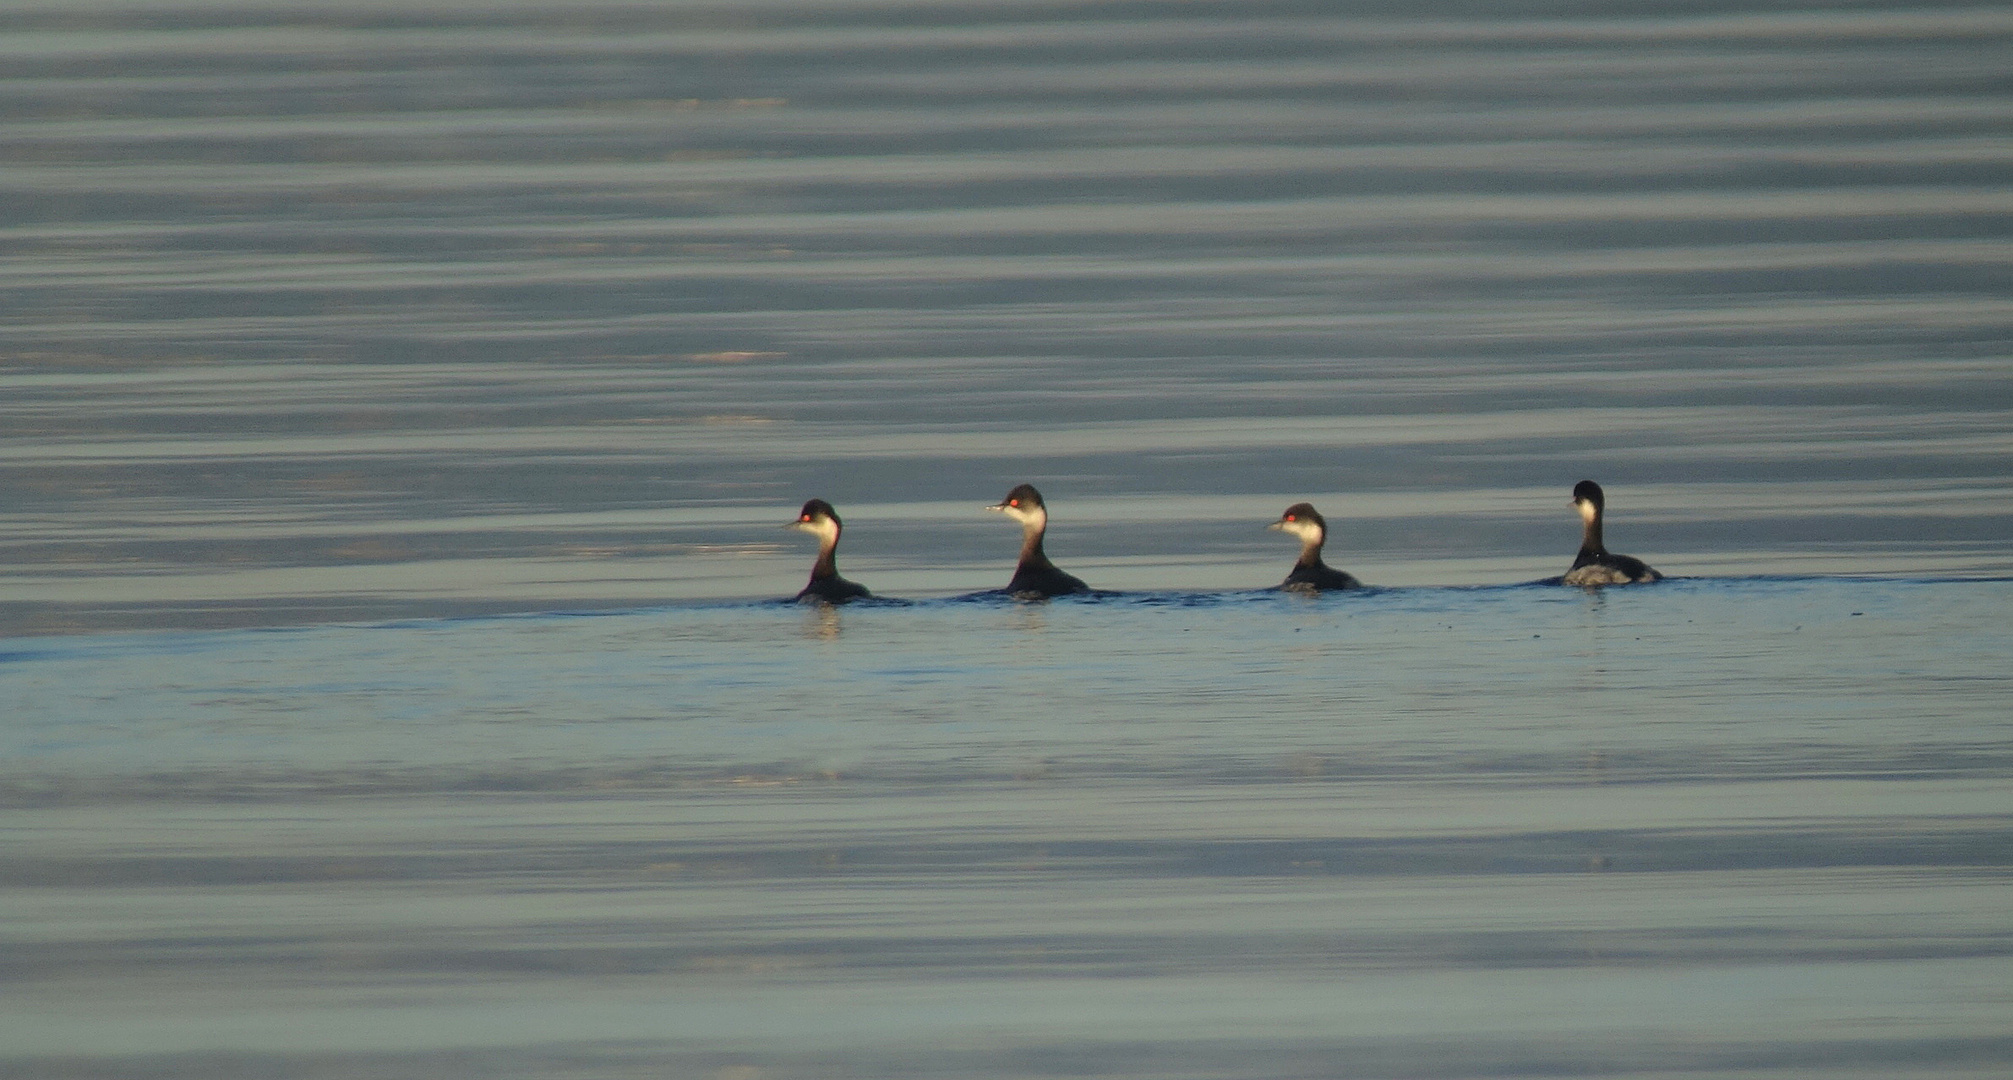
column 1741, row 827
column 393, row 310
column 398, row 404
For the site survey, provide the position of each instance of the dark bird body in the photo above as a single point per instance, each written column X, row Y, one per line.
column 1596, row 565
column 1310, row 574
column 1035, row 577
column 826, row 586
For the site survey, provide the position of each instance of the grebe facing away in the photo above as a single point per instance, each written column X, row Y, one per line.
column 1035, row 576
column 1596, row 565
column 1310, row 574
column 820, row 520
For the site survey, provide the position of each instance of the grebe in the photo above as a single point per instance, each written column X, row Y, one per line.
column 820, row 520
column 1035, row 576
column 1596, row 565
column 1310, row 574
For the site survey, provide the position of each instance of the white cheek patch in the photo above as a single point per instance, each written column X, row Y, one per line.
column 825, row 529
column 1025, row 517
column 1306, row 531
column 1586, row 508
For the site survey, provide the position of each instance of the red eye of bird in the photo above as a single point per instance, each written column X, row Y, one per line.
column 806, row 517
column 1290, row 517
column 1013, row 502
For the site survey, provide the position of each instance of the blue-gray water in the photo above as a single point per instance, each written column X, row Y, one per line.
column 1717, row 827
column 399, row 402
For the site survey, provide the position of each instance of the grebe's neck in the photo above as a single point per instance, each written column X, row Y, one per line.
column 1310, row 554
column 827, row 531
column 1311, row 535
column 1590, row 535
column 1032, row 528
column 827, row 565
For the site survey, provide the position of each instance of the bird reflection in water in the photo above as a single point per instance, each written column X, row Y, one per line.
column 822, row 622
column 1032, row 618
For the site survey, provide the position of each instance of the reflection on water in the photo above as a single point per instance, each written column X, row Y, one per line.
column 1028, row 617
column 475, row 350
column 822, row 621
column 1696, row 827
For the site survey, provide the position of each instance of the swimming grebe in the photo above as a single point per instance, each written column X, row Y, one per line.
column 1035, row 576
column 820, row 520
column 1310, row 574
column 1596, row 565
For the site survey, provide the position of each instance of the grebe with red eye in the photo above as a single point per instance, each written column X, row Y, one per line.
column 820, row 520
column 1596, row 565
column 1310, row 574
column 1035, row 577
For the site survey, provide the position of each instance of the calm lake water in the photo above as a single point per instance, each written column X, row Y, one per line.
column 399, row 402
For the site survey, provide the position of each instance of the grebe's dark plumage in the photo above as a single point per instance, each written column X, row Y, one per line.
column 1035, row 576
column 1596, row 565
column 1310, row 574
column 820, row 520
